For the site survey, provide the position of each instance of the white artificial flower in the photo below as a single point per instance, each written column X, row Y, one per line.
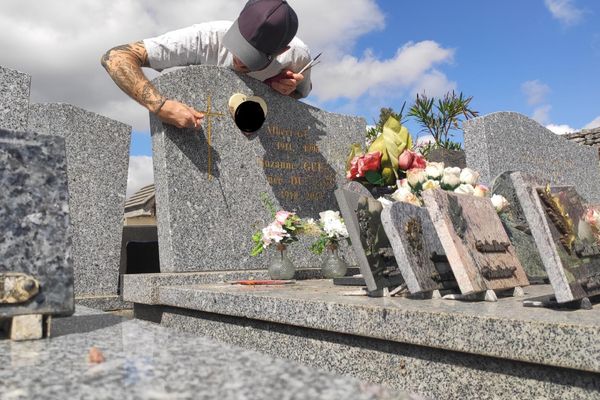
column 431, row 184
column 385, row 202
column 407, row 196
column 465, row 189
column 274, row 232
column 434, row 170
column 329, row 215
column 452, row 171
column 403, row 183
column 481, row 190
column 450, row 179
column 499, row 202
column 416, row 176
column 469, row 176
column 335, row 229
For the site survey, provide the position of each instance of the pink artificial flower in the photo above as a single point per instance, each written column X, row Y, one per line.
column 282, row 216
column 419, row 161
column 274, row 232
column 410, row 159
column 353, row 171
column 369, row 162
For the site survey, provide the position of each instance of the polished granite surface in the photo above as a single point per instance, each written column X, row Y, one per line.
column 504, row 329
column 146, row 361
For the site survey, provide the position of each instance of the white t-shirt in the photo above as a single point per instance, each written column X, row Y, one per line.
column 203, row 44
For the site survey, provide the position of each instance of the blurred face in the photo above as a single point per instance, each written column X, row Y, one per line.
column 238, row 66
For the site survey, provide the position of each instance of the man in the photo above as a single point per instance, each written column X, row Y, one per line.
column 259, row 43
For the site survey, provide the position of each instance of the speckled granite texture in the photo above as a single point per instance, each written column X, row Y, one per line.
column 97, row 164
column 14, row 99
column 504, row 329
column 145, row 361
column 34, row 220
column 209, row 195
column 431, row 372
column 508, row 141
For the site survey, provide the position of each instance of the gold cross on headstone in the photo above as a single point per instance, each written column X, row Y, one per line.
column 208, row 114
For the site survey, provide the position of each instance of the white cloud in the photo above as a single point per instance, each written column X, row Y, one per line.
column 140, row 173
column 560, row 129
column 594, row 124
column 424, row 140
column 542, row 114
column 565, row 11
column 535, row 91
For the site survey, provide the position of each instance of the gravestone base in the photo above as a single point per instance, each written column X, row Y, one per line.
column 109, row 302
column 438, row 349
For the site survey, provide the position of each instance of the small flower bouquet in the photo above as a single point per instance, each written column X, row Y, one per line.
column 592, row 218
column 331, row 230
column 282, row 231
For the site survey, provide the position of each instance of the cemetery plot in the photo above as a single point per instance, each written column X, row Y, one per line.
column 476, row 245
column 417, row 248
column 568, row 244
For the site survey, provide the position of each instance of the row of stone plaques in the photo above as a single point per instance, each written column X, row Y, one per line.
column 459, row 241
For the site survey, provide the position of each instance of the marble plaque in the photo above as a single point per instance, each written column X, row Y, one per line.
column 14, row 99
column 508, row 141
column 36, row 272
column 373, row 252
column 417, row 248
column 569, row 249
column 478, row 249
column 211, row 184
column 97, row 150
column 513, row 186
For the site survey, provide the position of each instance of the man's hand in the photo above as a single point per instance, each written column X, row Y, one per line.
column 180, row 115
column 286, row 82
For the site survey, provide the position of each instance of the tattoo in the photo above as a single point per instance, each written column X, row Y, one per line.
column 123, row 64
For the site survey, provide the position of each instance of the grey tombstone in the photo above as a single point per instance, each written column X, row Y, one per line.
column 211, row 184
column 14, row 99
column 97, row 164
column 373, row 252
column 36, row 272
column 513, row 186
column 476, row 245
column 571, row 260
column 508, row 141
column 417, row 248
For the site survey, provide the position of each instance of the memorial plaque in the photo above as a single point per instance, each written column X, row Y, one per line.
column 14, row 99
column 478, row 249
column 513, row 186
column 508, row 141
column 211, row 184
column 372, row 249
column 569, row 248
column 36, row 273
column 417, row 248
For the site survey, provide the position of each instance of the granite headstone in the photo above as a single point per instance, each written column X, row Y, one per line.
column 513, row 186
column 14, row 99
column 36, row 272
column 97, row 164
column 211, row 184
column 569, row 250
column 476, row 245
column 508, row 141
column 417, row 248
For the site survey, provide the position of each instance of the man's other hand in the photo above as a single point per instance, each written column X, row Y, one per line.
column 286, row 82
column 180, row 115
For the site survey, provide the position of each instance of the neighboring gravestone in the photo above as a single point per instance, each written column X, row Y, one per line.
column 97, row 165
column 570, row 253
column 419, row 253
column 14, row 99
column 211, row 183
column 373, row 252
column 36, row 272
column 478, row 249
column 508, row 141
column 513, row 186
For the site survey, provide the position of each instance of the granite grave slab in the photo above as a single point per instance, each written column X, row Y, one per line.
column 372, row 249
column 14, row 99
column 36, row 272
column 570, row 252
column 513, row 186
column 478, row 249
column 97, row 164
column 417, row 248
column 210, row 183
column 508, row 141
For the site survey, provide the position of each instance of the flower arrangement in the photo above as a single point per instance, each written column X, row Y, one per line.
column 331, row 231
column 592, row 217
column 283, row 230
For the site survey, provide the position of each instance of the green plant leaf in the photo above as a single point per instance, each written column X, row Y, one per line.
column 391, row 143
column 374, row 178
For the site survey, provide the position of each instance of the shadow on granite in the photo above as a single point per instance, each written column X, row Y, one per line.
column 79, row 324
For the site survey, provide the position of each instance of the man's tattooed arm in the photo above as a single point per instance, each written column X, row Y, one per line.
column 124, row 65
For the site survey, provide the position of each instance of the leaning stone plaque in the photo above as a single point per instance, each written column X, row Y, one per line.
column 210, row 183
column 36, row 274
column 478, row 249
column 417, row 248
column 569, row 248
column 513, row 186
column 372, row 249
